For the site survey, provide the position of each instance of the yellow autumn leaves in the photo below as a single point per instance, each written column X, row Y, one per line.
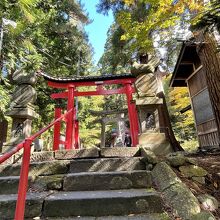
column 161, row 14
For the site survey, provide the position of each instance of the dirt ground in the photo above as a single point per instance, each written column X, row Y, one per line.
column 211, row 163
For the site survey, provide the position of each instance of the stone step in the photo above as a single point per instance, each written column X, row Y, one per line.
column 9, row 184
column 153, row 216
column 107, row 180
column 76, row 154
column 80, row 181
column 76, row 165
column 33, row 209
column 107, row 164
column 120, row 152
column 85, row 203
column 55, row 155
column 102, row 203
column 37, row 168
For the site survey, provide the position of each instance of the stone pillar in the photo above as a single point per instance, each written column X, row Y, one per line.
column 21, row 108
column 121, row 130
column 21, row 125
column 102, row 133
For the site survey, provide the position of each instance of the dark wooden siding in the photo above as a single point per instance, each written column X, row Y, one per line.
column 202, row 108
column 197, row 82
column 207, row 133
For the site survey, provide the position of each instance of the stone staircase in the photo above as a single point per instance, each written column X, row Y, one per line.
column 83, row 184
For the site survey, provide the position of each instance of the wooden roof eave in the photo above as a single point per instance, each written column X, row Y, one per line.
column 62, row 82
column 178, row 63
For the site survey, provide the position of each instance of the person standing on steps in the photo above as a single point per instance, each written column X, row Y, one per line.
column 127, row 141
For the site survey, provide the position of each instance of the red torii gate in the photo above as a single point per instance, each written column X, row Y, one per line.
column 126, row 82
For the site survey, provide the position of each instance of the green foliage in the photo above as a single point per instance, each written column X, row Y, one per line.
column 211, row 17
column 89, row 131
column 49, row 37
column 116, row 57
column 190, row 145
column 105, row 5
column 4, row 97
column 141, row 20
column 52, row 42
column 160, row 16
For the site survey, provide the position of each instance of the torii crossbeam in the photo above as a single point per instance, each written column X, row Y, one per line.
column 71, row 85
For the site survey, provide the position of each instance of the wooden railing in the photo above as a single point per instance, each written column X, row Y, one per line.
column 23, row 182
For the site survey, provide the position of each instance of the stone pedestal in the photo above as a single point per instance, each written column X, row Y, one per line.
column 21, row 125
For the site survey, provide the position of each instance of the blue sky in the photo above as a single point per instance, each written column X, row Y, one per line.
column 97, row 30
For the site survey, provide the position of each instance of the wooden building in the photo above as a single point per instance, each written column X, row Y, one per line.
column 190, row 73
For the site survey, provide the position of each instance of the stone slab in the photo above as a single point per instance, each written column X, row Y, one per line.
column 107, row 180
column 192, row 170
column 149, row 156
column 36, row 156
column 155, row 142
column 120, row 152
column 22, row 112
column 101, row 203
column 37, row 168
column 72, row 154
column 181, row 199
column 164, row 176
column 152, row 138
column 33, row 209
column 153, row 216
column 9, row 185
column 107, row 164
column 175, row 192
column 159, row 149
column 42, row 156
column 49, row 168
column 149, row 101
column 46, row 183
column 10, row 170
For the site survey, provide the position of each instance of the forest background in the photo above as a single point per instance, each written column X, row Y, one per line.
column 50, row 37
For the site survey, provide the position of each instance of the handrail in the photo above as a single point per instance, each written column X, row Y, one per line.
column 23, row 182
column 8, row 154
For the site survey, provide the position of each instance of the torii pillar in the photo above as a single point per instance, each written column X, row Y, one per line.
column 132, row 113
column 70, row 123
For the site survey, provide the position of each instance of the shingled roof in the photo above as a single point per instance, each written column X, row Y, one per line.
column 86, row 78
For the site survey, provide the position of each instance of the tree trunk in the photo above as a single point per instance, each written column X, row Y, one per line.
column 165, row 117
column 210, row 59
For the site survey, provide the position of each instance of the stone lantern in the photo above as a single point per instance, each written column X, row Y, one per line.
column 21, row 109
